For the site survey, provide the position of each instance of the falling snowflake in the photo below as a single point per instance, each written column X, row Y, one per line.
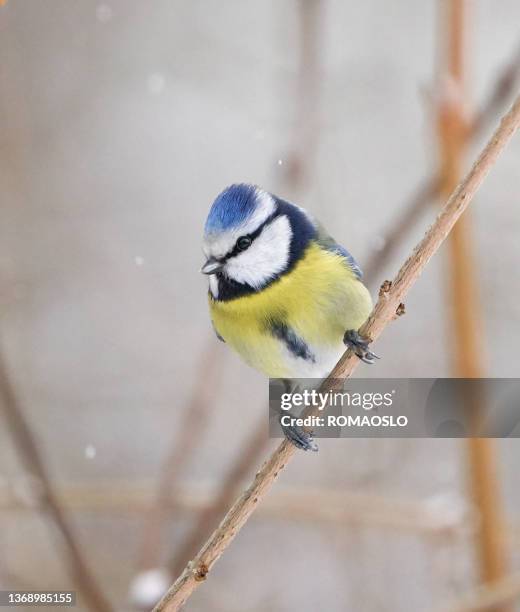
column 139, row 261
column 148, row 587
column 90, row 451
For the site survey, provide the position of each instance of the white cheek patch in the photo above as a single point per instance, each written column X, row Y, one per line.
column 267, row 256
column 219, row 245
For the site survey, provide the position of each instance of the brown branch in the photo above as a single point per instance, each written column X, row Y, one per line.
column 391, row 296
column 430, row 189
column 30, row 455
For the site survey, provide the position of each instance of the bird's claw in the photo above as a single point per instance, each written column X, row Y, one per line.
column 355, row 341
column 299, row 437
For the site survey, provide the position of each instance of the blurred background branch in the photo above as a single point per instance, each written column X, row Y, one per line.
column 356, row 508
column 499, row 595
column 247, row 457
column 467, row 333
column 302, row 151
column 47, row 500
column 196, row 415
column 430, row 189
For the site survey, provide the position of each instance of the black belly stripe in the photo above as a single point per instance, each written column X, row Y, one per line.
column 296, row 345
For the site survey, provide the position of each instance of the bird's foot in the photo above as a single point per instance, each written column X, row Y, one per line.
column 359, row 345
column 299, row 437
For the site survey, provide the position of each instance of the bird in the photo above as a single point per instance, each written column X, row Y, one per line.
column 282, row 292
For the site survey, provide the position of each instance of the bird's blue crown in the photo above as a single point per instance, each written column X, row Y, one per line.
column 231, row 208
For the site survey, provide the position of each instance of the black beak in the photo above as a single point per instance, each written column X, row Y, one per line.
column 212, row 266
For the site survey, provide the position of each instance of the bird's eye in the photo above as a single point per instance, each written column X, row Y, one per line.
column 243, row 243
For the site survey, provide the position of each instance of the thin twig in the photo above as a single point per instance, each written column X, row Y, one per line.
column 32, row 458
column 430, row 189
column 391, row 296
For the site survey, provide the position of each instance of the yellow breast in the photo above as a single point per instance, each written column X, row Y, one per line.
column 320, row 298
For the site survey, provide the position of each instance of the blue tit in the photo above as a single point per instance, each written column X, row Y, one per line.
column 282, row 292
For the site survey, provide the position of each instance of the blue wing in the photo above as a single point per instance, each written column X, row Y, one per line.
column 326, row 241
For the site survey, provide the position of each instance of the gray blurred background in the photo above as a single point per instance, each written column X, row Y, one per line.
column 120, row 123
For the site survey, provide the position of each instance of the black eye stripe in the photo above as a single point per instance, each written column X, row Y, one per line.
column 235, row 250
